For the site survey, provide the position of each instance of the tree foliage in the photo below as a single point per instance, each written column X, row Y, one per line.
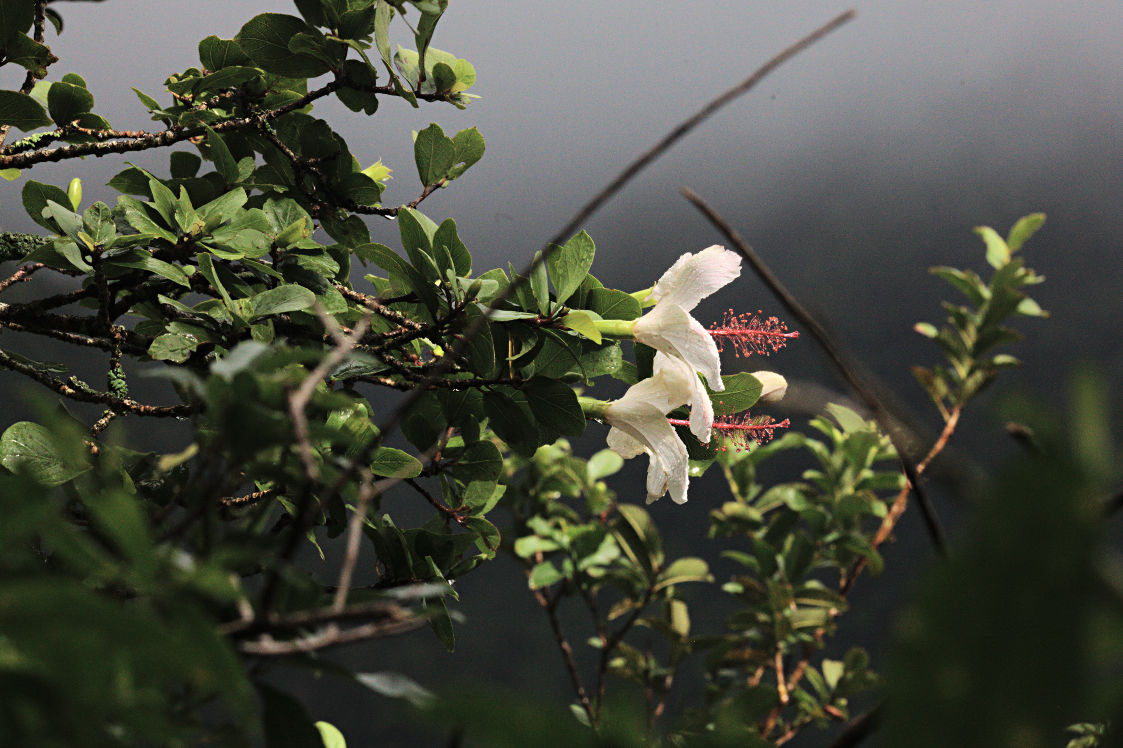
column 143, row 593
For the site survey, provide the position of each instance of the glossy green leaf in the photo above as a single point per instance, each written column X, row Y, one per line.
column 394, row 463
column 539, row 287
column 612, row 304
column 434, row 154
column 286, row 298
column 66, row 101
column 570, row 263
column 742, row 390
column 469, row 146
column 265, row 39
column 173, row 347
column 555, row 404
column 224, row 162
column 21, row 111
column 216, row 53
column 583, row 322
column 446, row 236
column 35, row 196
column 30, row 448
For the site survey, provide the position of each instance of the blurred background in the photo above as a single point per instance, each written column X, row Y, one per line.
column 851, row 170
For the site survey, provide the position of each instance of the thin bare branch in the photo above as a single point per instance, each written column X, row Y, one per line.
column 354, row 535
column 388, row 618
column 850, row 369
column 76, row 391
column 299, row 399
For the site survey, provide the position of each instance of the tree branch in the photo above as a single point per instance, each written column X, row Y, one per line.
column 843, row 362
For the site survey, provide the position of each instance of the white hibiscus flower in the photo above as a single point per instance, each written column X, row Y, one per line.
column 669, row 328
column 639, row 424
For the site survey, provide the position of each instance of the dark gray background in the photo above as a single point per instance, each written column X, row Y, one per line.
column 851, row 170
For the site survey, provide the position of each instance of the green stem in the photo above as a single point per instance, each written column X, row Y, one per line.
column 616, row 328
column 644, row 297
column 592, row 408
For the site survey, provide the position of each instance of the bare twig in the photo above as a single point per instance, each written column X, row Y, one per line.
column 388, row 618
column 83, row 394
column 859, row 728
column 299, row 399
column 21, row 275
column 550, row 606
column 354, row 535
column 843, row 362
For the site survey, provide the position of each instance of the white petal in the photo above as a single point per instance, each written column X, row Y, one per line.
column 701, row 408
column 670, row 329
column 773, row 386
column 640, row 422
column 620, row 442
column 665, row 390
column 693, row 277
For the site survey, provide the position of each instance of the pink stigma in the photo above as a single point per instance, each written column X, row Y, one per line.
column 740, row 429
column 749, row 333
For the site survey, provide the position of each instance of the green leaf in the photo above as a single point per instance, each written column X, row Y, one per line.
column 173, row 347
column 29, row 447
column 1025, row 227
column 417, row 231
column 511, row 422
column 65, row 102
column 481, row 496
column 35, row 197
column 395, row 686
column 603, row 464
column 583, row 322
column 555, row 404
column 27, row 53
column 469, row 145
column 442, row 624
column 16, row 16
column 286, row 298
column 21, row 111
column 927, row 329
column 480, row 461
column 394, row 463
column 446, row 236
column 216, row 53
column 543, row 575
column 331, row 735
column 570, row 263
column 67, row 220
column 434, row 153
column 538, row 284
column 224, row 162
column 612, row 304
column 742, row 390
column 684, row 570
column 847, row 418
column 265, row 38
column 998, row 253
column 152, row 265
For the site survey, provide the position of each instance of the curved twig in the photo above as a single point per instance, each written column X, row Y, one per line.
column 845, row 365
